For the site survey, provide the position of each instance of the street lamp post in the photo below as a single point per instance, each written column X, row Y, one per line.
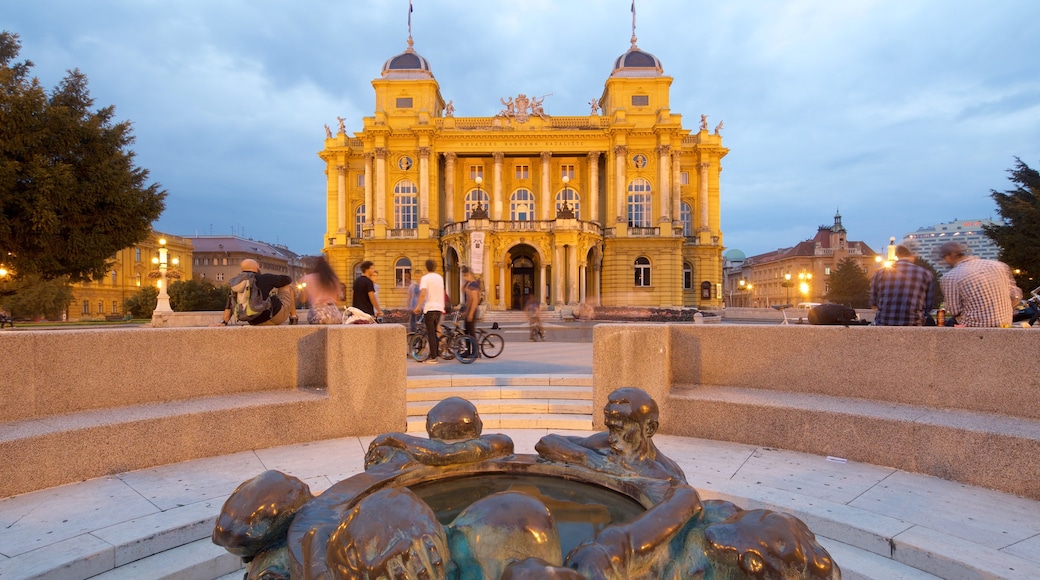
column 804, row 278
column 787, row 284
column 163, row 303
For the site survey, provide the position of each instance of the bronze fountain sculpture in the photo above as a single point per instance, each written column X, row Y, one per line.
column 462, row 505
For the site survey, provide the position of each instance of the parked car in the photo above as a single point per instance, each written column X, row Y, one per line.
column 807, row 305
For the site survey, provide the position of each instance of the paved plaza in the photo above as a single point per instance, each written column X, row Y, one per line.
column 877, row 522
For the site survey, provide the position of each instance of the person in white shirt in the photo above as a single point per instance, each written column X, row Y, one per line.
column 431, row 303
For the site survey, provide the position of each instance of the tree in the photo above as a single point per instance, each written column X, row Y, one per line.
column 849, row 285
column 1018, row 236
column 142, row 304
column 195, row 295
column 936, row 288
column 70, row 194
column 33, row 298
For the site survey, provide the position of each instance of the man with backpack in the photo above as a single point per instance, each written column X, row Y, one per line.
column 260, row 299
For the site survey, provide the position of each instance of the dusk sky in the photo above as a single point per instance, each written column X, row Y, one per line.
column 899, row 113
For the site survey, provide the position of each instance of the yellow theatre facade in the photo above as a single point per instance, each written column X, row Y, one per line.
column 616, row 208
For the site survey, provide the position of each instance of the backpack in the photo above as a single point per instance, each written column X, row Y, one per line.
column 250, row 301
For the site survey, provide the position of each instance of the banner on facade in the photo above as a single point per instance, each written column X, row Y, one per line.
column 476, row 253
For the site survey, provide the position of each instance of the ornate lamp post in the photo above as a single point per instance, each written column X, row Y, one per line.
column 163, row 304
column 787, row 284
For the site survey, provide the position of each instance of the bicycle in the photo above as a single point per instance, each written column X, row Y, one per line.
column 452, row 342
column 491, row 343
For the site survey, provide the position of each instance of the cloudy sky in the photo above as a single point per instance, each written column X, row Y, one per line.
column 900, row 113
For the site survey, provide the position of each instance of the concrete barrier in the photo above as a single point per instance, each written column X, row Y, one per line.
column 962, row 404
column 86, row 403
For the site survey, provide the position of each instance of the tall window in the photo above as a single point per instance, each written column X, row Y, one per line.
column 686, row 217
column 137, row 254
column 86, row 307
column 473, row 198
column 571, row 197
column 361, row 180
column 115, row 306
column 403, row 273
column 359, row 221
column 100, row 306
column 684, row 178
column 639, row 203
column 687, row 276
column 521, row 205
column 642, row 268
column 476, row 171
column 406, row 205
column 523, row 172
column 220, row 276
column 115, row 277
column 567, row 171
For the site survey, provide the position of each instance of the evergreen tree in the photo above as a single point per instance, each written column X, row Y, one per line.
column 1018, row 236
column 33, row 298
column 70, row 194
column 849, row 285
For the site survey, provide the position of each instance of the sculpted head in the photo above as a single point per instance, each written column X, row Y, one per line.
column 767, row 544
column 389, row 534
column 258, row 513
column 631, row 416
column 453, row 419
column 502, row 528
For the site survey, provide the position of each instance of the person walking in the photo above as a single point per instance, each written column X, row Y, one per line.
column 320, row 289
column 431, row 303
column 901, row 293
column 979, row 293
column 364, row 297
column 413, row 301
column 471, row 292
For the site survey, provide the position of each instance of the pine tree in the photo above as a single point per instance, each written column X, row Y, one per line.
column 70, row 194
column 1019, row 235
column 849, row 285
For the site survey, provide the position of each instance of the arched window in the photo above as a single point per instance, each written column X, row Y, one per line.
column 686, row 217
column 403, row 273
column 639, row 203
column 473, row 198
column 687, row 276
column 359, row 221
column 573, row 201
column 642, row 268
column 521, row 206
column 406, row 205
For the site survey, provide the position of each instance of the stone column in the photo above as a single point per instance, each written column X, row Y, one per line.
column 424, row 184
column 703, row 195
column 547, row 200
column 449, row 188
column 593, row 197
column 496, row 186
column 665, row 176
column 503, row 289
column 572, row 275
column 582, row 298
column 559, row 275
column 620, row 187
column 370, row 210
column 597, row 286
column 341, row 198
column 677, row 187
column 380, row 191
column 541, row 281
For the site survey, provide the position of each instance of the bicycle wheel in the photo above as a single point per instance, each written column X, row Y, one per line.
column 492, row 345
column 418, row 348
column 464, row 348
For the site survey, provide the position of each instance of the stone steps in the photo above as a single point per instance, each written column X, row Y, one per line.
column 508, row 401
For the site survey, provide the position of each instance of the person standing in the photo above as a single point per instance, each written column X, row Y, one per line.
column 471, row 292
column 413, row 300
column 364, row 298
column 321, row 288
column 980, row 293
column 431, row 303
column 902, row 293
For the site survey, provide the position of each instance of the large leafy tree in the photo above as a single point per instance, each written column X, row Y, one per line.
column 33, row 298
column 195, row 295
column 1018, row 234
column 849, row 285
column 70, row 194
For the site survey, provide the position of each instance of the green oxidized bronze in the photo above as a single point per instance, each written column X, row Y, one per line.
column 462, row 505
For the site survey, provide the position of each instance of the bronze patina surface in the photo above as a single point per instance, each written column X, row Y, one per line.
column 373, row 525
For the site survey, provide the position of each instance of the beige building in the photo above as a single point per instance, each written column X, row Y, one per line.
column 218, row 258
column 131, row 269
column 800, row 273
column 618, row 206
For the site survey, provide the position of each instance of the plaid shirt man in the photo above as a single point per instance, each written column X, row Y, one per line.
column 902, row 293
column 979, row 292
